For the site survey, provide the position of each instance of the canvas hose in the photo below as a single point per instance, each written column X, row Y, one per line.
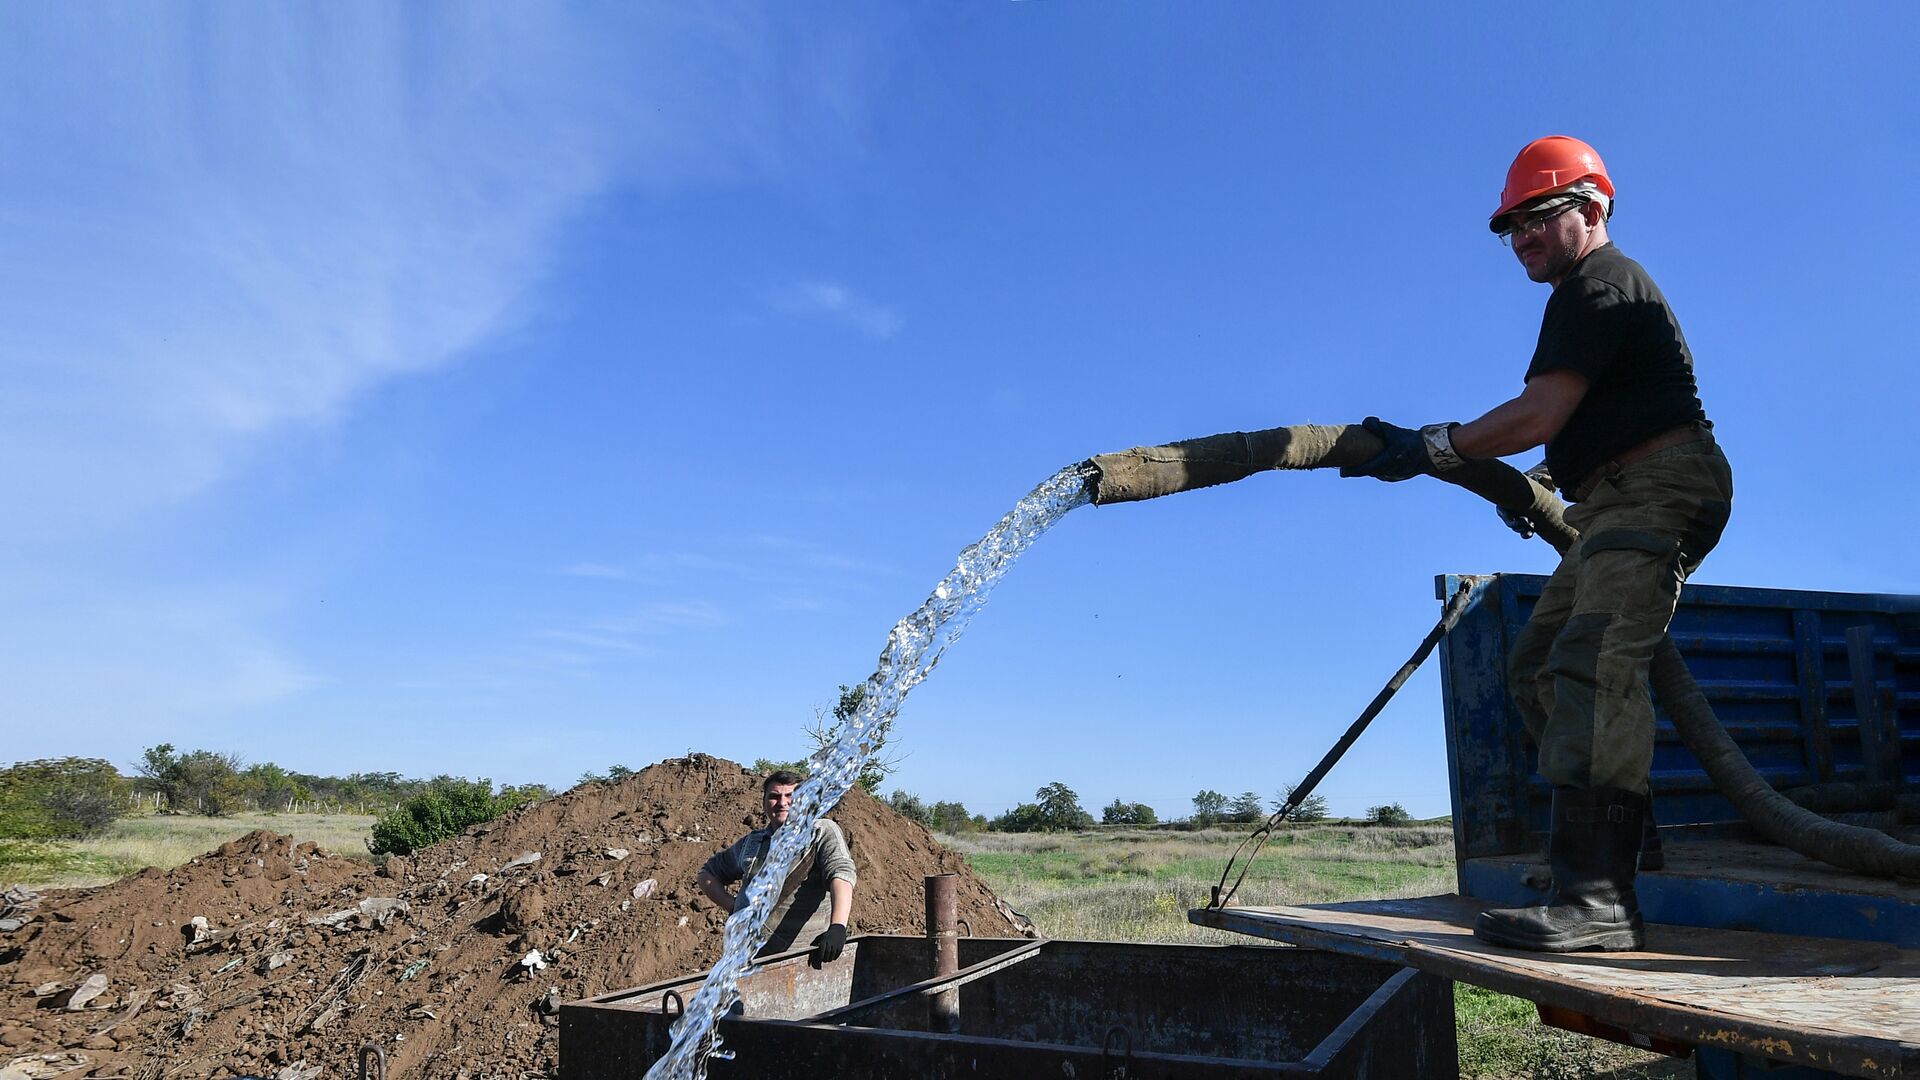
column 1148, row 472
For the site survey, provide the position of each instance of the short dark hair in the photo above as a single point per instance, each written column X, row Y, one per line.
column 783, row 777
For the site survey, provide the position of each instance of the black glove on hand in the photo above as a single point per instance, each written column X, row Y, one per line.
column 1404, row 457
column 1518, row 522
column 826, row 947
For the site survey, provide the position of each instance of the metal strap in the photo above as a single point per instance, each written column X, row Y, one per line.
column 1457, row 603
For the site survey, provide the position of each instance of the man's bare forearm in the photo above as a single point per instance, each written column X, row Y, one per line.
column 715, row 891
column 1527, row 421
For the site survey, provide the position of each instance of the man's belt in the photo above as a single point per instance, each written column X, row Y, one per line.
column 1680, row 436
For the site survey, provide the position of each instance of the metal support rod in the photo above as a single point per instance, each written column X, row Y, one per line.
column 943, row 939
column 992, row 965
column 1866, row 704
column 1893, row 742
column 1223, row 893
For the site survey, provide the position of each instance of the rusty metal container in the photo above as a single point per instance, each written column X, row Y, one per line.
column 1044, row 1008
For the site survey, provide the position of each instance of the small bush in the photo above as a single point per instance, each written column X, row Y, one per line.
column 60, row 798
column 446, row 809
column 1390, row 814
column 1126, row 813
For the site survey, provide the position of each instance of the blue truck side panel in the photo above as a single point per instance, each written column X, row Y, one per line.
column 1773, row 663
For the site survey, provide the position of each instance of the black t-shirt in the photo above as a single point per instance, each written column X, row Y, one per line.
column 1609, row 322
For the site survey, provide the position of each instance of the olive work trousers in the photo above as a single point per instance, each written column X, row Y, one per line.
column 1578, row 669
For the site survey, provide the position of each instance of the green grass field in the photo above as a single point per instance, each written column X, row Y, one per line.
column 1107, row 885
column 132, row 844
column 1137, row 885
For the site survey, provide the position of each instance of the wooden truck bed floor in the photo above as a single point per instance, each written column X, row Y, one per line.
column 1852, row 1007
column 1751, row 861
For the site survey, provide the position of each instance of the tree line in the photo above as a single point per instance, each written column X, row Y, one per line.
column 1056, row 808
column 217, row 784
column 75, row 797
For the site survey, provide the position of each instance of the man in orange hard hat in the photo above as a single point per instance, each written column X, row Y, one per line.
column 1610, row 393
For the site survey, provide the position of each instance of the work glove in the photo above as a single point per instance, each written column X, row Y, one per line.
column 826, row 947
column 1519, row 522
column 1408, row 453
column 1515, row 521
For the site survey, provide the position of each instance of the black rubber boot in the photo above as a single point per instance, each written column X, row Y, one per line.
column 1652, row 857
column 1593, row 849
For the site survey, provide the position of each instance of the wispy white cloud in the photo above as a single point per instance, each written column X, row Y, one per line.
column 762, row 558
column 220, row 226
column 634, row 633
column 597, row 570
column 665, row 616
column 224, row 226
column 802, row 602
column 663, row 568
column 811, row 556
column 836, row 302
column 771, row 575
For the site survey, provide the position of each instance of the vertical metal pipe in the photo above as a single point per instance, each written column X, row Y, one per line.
column 1866, row 703
column 943, row 939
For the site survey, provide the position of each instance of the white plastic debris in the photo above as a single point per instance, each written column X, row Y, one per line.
column 40, row 1066
column 617, row 853
column 525, row 858
column 372, row 913
column 93, row 987
column 645, row 889
column 533, row 961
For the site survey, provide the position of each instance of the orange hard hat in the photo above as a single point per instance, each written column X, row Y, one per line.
column 1547, row 165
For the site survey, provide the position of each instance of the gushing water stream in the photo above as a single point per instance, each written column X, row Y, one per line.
column 913, row 648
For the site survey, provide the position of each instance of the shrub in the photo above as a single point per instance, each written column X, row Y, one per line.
column 1208, row 807
column 200, row 781
column 952, row 817
column 1245, row 808
column 1126, row 813
column 1057, row 811
column 1312, row 809
column 1390, row 814
column 446, row 809
column 60, row 798
column 1025, row 817
column 767, row 766
column 909, row 806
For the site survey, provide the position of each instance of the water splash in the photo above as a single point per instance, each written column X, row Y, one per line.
column 913, row 648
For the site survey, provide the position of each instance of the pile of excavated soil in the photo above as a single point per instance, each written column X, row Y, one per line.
column 305, row 956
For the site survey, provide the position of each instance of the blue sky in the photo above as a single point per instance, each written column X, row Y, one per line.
column 514, row 390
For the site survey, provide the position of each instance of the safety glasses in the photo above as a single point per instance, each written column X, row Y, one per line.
column 1527, row 225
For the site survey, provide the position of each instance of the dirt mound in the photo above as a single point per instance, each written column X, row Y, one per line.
column 303, row 956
